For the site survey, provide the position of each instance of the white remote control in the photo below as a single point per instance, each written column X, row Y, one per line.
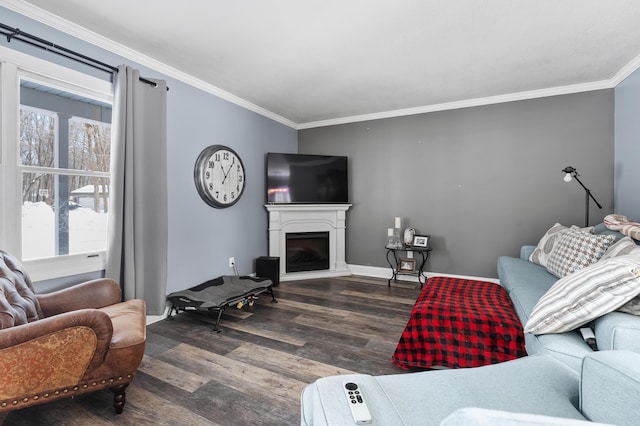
column 589, row 337
column 358, row 407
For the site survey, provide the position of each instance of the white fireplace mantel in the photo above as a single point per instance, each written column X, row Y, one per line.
column 290, row 218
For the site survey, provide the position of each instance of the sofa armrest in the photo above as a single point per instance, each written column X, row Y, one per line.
column 618, row 330
column 525, row 252
column 92, row 294
column 610, row 386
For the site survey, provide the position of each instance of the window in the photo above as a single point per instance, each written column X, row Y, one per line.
column 55, row 165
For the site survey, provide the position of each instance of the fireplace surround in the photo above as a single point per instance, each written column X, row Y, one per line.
column 308, row 218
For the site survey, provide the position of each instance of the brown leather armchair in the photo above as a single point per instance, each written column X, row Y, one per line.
column 66, row 343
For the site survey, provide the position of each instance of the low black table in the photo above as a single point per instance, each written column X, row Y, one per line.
column 396, row 266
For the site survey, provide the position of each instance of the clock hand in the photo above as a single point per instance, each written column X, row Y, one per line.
column 225, row 174
column 230, row 167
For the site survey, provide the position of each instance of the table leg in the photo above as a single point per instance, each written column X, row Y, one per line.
column 421, row 275
column 394, row 271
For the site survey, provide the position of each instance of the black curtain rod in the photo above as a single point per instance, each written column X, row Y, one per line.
column 16, row 34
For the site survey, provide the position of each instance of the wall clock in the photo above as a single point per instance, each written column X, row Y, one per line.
column 219, row 176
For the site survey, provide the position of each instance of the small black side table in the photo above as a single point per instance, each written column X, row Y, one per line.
column 395, row 265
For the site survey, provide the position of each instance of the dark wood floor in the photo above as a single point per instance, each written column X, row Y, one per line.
column 252, row 372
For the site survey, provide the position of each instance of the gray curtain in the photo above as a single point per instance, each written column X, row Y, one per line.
column 137, row 250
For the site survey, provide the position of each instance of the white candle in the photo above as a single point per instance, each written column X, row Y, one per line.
column 390, row 232
column 398, row 222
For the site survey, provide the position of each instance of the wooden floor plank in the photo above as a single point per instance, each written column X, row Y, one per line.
column 254, row 370
column 303, row 369
column 169, row 373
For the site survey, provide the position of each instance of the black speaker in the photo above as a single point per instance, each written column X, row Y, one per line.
column 268, row 267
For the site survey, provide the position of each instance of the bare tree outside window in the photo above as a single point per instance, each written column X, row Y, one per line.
column 65, row 160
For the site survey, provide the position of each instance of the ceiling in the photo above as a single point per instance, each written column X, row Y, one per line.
column 311, row 63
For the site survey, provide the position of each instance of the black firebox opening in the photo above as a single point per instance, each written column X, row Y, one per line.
column 307, row 251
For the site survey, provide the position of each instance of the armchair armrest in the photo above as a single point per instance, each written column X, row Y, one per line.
column 92, row 294
column 98, row 321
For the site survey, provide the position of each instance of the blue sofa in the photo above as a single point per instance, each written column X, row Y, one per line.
column 527, row 282
column 536, row 389
column 562, row 381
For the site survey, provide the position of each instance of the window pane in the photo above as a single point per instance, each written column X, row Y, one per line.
column 37, row 138
column 63, row 130
column 89, row 145
column 63, row 214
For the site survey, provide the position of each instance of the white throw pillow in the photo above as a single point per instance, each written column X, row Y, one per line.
column 622, row 247
column 585, row 295
column 575, row 250
column 545, row 246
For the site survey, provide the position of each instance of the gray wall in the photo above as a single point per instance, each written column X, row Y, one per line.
column 201, row 239
column 627, row 153
column 481, row 181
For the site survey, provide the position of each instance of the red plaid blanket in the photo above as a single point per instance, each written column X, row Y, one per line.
column 460, row 323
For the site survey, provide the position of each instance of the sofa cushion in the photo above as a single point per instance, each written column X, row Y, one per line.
column 576, row 250
column 585, row 295
column 526, row 283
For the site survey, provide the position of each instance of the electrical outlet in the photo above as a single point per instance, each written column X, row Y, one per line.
column 232, row 262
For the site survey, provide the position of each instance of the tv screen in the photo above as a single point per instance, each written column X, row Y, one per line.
column 304, row 178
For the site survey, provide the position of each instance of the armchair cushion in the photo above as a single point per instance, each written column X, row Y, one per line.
column 18, row 302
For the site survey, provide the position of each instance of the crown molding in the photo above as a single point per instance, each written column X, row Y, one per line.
column 511, row 97
column 626, row 71
column 86, row 35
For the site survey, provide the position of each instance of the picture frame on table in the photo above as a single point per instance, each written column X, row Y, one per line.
column 421, row 241
column 406, row 265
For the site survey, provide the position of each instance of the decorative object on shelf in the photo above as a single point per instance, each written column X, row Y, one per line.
column 408, row 236
column 407, row 265
column 219, row 176
column 393, row 235
column 390, row 239
column 570, row 174
column 420, row 241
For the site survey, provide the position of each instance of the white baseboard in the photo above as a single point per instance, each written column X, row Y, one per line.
column 381, row 272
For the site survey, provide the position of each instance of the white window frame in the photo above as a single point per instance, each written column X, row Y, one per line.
column 15, row 66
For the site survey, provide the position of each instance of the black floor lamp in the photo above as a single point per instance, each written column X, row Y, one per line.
column 572, row 173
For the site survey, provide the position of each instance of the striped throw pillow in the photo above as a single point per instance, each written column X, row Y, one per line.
column 585, row 295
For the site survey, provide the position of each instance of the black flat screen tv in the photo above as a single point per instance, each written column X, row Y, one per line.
column 305, row 178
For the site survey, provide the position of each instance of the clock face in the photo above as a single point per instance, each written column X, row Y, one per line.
column 219, row 176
